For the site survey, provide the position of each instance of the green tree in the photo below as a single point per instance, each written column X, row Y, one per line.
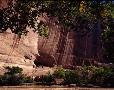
column 108, row 43
column 20, row 15
column 73, row 14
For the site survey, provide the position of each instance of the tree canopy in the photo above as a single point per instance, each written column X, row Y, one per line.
column 76, row 14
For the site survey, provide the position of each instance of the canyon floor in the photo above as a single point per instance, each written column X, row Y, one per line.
column 50, row 88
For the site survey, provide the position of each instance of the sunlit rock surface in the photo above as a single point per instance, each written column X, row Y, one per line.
column 18, row 52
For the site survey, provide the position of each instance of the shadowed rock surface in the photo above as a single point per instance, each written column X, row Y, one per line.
column 45, row 60
column 69, row 48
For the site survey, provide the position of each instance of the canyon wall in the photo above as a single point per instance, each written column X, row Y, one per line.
column 61, row 47
column 68, row 48
column 18, row 52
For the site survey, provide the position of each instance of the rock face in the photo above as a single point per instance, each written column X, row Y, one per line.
column 61, row 47
column 4, row 3
column 68, row 48
column 21, row 52
column 17, row 52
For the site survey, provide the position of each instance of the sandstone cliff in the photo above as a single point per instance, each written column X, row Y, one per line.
column 61, row 47
column 68, row 48
column 18, row 52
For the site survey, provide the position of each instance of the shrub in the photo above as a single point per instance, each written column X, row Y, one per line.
column 45, row 79
column 103, row 77
column 71, row 77
column 37, row 79
column 8, row 79
column 59, row 73
column 85, row 74
column 13, row 70
column 28, row 79
column 14, row 76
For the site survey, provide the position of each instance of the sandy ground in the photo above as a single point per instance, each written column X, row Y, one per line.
column 49, row 88
column 28, row 69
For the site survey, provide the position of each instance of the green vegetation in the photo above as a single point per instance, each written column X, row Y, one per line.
column 45, row 79
column 82, row 16
column 108, row 43
column 83, row 76
column 14, row 76
column 28, row 79
column 59, row 73
column 78, row 15
column 103, row 77
column 71, row 77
